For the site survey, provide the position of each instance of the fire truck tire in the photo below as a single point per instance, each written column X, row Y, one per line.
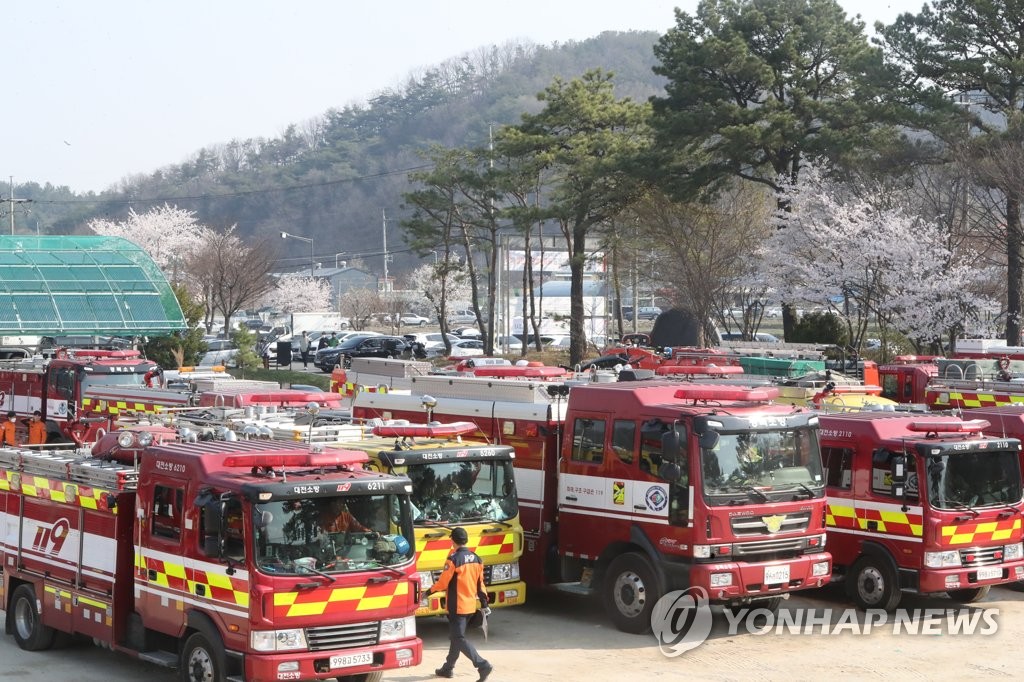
column 630, row 593
column 201, row 660
column 27, row 626
column 969, row 595
column 873, row 583
column 365, row 677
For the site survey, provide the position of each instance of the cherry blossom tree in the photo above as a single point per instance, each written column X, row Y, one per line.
column 294, row 293
column 865, row 262
column 441, row 283
column 168, row 234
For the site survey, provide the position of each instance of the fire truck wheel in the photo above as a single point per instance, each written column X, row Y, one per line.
column 365, row 677
column 201, row 661
column 28, row 628
column 873, row 584
column 969, row 596
column 630, row 593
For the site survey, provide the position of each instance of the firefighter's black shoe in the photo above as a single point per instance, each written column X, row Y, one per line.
column 485, row 672
column 444, row 672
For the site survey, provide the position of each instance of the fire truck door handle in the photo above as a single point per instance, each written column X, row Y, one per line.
column 201, row 590
column 152, row 574
column 872, row 525
column 570, row 498
column 640, row 507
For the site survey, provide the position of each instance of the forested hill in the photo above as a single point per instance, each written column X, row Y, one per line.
column 332, row 177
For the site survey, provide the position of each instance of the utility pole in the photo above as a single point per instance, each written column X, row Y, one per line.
column 384, row 227
column 12, row 202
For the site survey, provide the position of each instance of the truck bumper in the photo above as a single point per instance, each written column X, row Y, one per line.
column 499, row 596
column 316, row 665
column 965, row 578
column 727, row 582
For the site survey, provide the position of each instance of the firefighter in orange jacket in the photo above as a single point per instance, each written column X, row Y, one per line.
column 463, row 582
column 8, row 429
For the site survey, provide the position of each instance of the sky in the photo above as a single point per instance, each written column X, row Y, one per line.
column 95, row 92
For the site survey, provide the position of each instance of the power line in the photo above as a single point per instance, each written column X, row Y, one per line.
column 230, row 195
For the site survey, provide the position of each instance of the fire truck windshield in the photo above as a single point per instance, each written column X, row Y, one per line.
column 972, row 479
column 332, row 534
column 759, row 466
column 119, row 379
column 460, row 492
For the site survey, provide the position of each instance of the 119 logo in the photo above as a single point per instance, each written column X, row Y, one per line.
column 50, row 539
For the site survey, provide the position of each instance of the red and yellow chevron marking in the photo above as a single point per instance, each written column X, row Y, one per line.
column 116, row 407
column 339, row 600
column 173, row 576
column 971, row 399
column 889, row 521
column 64, row 492
column 980, row 532
column 348, row 389
column 492, row 549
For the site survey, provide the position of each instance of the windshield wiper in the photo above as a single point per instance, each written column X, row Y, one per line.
column 755, row 492
column 810, row 493
column 380, row 579
column 1011, row 510
column 960, row 505
column 317, row 572
column 495, row 530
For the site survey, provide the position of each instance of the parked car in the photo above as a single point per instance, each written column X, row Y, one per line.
column 467, row 348
column 225, row 358
column 360, row 346
column 413, row 320
column 457, row 317
column 467, row 332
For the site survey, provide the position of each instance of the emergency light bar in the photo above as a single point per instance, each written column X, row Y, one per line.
column 972, row 426
column 334, row 458
column 106, row 354
column 424, row 430
column 728, row 393
column 699, row 369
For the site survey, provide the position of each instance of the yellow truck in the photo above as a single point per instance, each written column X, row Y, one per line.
column 455, row 483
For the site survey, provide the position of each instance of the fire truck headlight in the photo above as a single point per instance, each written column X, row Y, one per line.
column 1013, row 552
column 426, row 580
column 126, row 439
column 702, row 551
column 278, row 640
column 397, row 628
column 503, row 573
column 721, row 579
column 947, row 559
column 819, row 569
column 145, row 439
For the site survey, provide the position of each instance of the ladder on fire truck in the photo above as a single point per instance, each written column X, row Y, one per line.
column 72, row 467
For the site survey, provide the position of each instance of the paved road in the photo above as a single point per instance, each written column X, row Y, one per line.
column 559, row 637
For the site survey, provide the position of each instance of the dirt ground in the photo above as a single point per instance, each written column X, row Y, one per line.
column 559, row 636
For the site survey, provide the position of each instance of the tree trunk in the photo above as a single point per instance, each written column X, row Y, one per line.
column 1014, row 269
column 577, row 262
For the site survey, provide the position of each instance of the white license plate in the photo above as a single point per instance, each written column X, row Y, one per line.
column 349, row 660
column 773, row 575
column 990, row 572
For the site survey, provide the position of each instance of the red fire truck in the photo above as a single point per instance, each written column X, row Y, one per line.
column 79, row 391
column 224, row 559
column 921, row 503
column 633, row 489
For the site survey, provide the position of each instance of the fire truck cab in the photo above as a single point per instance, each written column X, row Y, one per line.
column 921, row 503
column 455, row 483
column 633, row 489
column 249, row 561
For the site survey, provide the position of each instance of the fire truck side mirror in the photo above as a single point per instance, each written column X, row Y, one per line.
column 708, row 440
column 670, row 472
column 898, row 473
column 670, row 446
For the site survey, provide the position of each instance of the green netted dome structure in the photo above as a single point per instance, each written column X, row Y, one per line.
column 88, row 285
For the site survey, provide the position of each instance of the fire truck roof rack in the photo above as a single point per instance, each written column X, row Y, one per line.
column 939, row 426
column 70, row 466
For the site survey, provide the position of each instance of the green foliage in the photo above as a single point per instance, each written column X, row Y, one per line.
column 819, row 328
column 245, row 341
column 181, row 348
column 755, row 86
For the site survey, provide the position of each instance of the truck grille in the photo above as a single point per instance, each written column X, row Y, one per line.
column 981, row 556
column 347, row 636
column 790, row 546
column 756, row 525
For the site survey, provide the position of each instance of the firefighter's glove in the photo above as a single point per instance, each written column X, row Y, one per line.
column 486, row 610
